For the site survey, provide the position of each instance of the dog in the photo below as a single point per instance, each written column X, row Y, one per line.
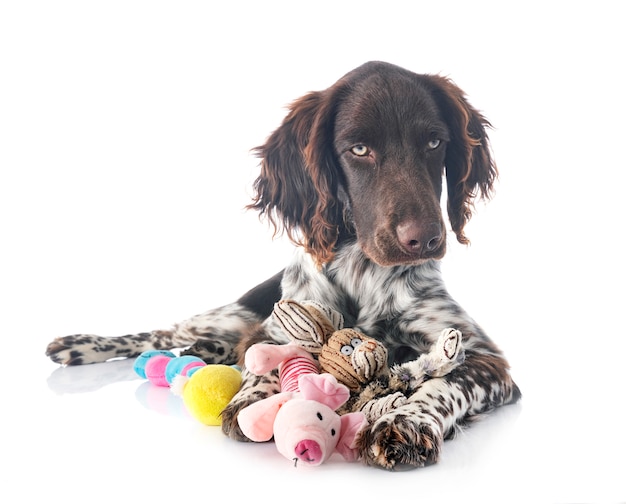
column 354, row 176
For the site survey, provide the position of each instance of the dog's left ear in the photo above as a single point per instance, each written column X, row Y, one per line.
column 470, row 169
column 297, row 187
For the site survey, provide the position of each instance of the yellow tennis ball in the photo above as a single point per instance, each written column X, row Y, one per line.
column 209, row 390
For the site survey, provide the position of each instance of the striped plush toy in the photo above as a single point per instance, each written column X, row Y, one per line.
column 356, row 360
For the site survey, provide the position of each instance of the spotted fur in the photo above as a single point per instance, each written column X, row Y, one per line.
column 354, row 175
column 214, row 335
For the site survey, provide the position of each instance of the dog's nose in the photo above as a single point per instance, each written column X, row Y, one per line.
column 417, row 238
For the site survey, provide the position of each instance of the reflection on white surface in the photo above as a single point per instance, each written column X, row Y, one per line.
column 80, row 379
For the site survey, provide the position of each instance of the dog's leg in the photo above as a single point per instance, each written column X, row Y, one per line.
column 253, row 388
column 213, row 335
column 413, row 434
column 88, row 348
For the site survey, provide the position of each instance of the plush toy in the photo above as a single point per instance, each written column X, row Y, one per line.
column 205, row 389
column 301, row 418
column 360, row 362
column 391, row 390
column 208, row 390
column 304, row 423
column 349, row 355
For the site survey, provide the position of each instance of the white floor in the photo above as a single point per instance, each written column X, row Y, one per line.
column 125, row 163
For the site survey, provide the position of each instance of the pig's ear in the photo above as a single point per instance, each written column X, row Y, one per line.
column 257, row 420
column 351, row 425
column 323, row 388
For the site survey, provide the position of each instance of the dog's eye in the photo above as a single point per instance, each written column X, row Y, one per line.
column 347, row 349
column 360, row 150
column 355, row 342
column 434, row 143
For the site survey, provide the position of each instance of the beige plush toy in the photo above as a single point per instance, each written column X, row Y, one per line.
column 360, row 362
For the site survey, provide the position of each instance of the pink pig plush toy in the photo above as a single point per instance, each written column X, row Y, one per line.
column 304, row 424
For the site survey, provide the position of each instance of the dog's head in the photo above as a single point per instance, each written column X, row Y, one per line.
column 367, row 157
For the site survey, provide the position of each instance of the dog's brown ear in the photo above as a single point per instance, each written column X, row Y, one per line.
column 297, row 187
column 470, row 169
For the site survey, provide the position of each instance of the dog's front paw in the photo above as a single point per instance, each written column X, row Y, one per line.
column 230, row 424
column 401, row 438
column 74, row 350
column 89, row 348
column 253, row 389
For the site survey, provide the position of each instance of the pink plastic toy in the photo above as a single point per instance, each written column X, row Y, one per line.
column 161, row 367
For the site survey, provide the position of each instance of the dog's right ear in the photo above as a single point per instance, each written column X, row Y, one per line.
column 297, row 187
column 470, row 169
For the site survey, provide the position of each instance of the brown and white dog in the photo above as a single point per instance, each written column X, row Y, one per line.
column 354, row 175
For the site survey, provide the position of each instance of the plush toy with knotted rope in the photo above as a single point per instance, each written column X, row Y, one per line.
column 356, row 360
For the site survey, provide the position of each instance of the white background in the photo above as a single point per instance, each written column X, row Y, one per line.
column 125, row 137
